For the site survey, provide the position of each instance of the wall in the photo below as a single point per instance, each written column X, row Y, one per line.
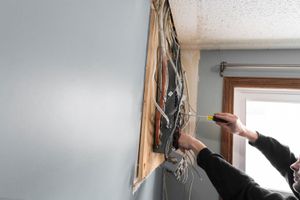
column 71, row 88
column 210, row 101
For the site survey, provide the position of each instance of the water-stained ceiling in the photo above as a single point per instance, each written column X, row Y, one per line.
column 237, row 24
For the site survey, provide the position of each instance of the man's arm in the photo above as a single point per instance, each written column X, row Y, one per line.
column 279, row 155
column 230, row 182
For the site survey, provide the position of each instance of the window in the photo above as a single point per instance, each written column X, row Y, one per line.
column 258, row 100
column 272, row 112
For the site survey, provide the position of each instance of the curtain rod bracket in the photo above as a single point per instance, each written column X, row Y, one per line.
column 222, row 68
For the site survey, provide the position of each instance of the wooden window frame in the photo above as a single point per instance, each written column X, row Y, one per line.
column 229, row 83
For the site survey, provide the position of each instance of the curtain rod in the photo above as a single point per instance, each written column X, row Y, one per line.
column 224, row 65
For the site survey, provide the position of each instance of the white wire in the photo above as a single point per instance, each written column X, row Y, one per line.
column 187, row 172
column 174, row 67
column 164, row 52
column 177, row 55
column 193, row 177
column 182, row 174
column 193, row 164
column 191, row 185
column 188, row 155
column 187, row 101
column 187, row 86
column 165, row 196
column 160, row 28
column 161, row 34
column 171, row 135
column 190, row 108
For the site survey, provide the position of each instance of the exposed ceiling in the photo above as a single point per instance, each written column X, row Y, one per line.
column 237, row 24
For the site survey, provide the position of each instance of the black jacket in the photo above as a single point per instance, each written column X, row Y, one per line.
column 233, row 184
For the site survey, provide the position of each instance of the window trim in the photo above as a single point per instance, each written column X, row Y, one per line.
column 229, row 83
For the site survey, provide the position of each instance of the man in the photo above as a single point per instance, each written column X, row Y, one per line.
column 233, row 184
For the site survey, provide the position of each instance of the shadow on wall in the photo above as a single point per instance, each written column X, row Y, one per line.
column 193, row 188
column 175, row 190
column 155, row 179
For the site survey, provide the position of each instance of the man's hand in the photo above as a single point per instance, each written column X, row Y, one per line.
column 235, row 126
column 187, row 142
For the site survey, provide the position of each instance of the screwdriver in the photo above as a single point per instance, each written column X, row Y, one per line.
column 210, row 118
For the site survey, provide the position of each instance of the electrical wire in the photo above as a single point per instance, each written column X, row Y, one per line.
column 161, row 29
column 191, row 185
column 170, row 138
column 169, row 50
column 159, row 12
column 166, row 40
column 154, row 100
column 179, row 86
column 174, row 68
column 165, row 192
column 193, row 164
column 190, row 107
column 187, row 102
column 180, row 93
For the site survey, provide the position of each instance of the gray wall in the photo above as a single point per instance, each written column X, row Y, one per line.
column 210, row 101
column 71, row 89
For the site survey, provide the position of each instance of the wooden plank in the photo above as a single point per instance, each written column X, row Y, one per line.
column 149, row 160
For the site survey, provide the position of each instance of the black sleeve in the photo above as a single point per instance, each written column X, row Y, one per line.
column 279, row 156
column 231, row 183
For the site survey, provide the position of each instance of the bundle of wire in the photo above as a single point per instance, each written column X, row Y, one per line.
column 168, row 52
column 170, row 49
column 185, row 170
